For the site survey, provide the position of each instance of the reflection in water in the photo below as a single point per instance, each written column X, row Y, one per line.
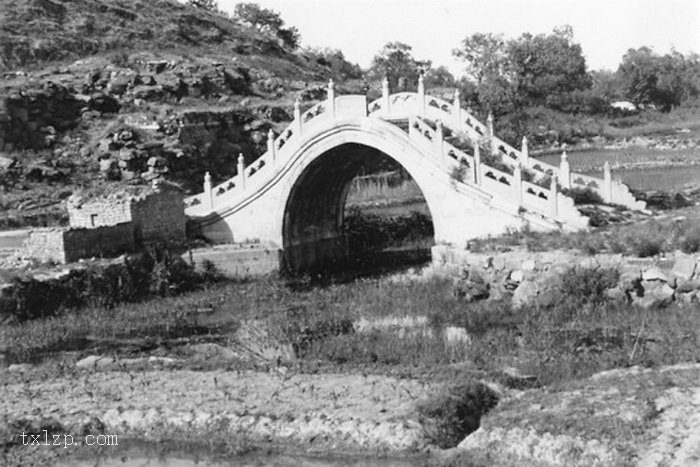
column 139, row 454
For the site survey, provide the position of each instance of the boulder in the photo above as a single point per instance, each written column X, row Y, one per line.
column 683, row 267
column 103, row 103
column 656, row 295
column 654, row 274
column 524, row 294
column 688, row 286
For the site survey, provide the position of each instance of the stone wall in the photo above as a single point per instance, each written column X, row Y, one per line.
column 99, row 213
column 32, row 119
column 45, row 245
column 159, row 217
column 100, row 242
column 535, row 277
column 66, row 245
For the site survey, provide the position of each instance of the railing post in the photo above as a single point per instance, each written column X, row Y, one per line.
column 492, row 135
column 241, row 170
column 208, row 195
column 457, row 109
column 518, row 183
column 525, row 152
column 421, row 96
column 297, row 117
column 386, row 103
column 554, row 196
column 439, row 139
column 271, row 144
column 565, row 171
column 607, row 183
column 331, row 98
column 477, row 164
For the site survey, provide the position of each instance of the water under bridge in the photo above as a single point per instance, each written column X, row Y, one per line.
column 292, row 197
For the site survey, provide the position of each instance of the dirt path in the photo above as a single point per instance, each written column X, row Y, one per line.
column 347, row 412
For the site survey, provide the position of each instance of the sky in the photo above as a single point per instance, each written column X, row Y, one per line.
column 606, row 29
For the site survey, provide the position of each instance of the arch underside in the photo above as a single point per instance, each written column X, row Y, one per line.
column 313, row 235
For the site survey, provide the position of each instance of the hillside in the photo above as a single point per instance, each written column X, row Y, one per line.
column 99, row 93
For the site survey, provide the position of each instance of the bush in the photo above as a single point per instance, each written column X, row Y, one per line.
column 647, row 247
column 455, row 412
column 137, row 278
column 691, row 241
column 588, row 285
column 583, row 196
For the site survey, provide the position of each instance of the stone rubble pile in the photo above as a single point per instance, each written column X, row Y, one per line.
column 535, row 278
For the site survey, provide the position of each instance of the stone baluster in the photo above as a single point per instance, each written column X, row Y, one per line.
column 271, row 144
column 607, row 183
column 457, row 109
column 491, row 133
column 518, row 183
column 565, row 171
column 297, row 117
column 331, row 98
column 421, row 96
column 439, row 139
column 208, row 194
column 477, row 164
column 554, row 196
column 525, row 153
column 241, row 170
column 386, row 102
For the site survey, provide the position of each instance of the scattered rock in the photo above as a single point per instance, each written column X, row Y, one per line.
column 94, row 361
column 524, row 294
column 654, row 274
column 683, row 267
column 656, row 295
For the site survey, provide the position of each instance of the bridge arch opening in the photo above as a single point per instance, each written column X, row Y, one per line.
column 351, row 207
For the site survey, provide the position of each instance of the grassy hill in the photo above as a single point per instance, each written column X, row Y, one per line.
column 91, row 87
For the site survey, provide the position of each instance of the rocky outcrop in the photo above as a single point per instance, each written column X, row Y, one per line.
column 535, row 278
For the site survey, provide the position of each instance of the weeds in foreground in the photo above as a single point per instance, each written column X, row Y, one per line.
column 580, row 334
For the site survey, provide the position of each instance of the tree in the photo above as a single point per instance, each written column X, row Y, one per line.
column 547, row 69
column 267, row 21
column 335, row 61
column 395, row 62
column 484, row 56
column 663, row 81
column 439, row 77
column 208, row 5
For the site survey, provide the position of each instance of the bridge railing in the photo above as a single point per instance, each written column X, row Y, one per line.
column 392, row 106
column 408, row 105
column 279, row 149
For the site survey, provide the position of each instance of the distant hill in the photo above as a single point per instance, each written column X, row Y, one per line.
column 33, row 32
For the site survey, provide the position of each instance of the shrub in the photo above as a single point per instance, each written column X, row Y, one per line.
column 455, row 412
column 583, row 196
column 691, row 241
column 647, row 247
column 588, row 285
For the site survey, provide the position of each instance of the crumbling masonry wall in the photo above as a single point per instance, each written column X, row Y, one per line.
column 66, row 245
column 160, row 217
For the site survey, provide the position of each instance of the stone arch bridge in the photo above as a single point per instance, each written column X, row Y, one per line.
column 475, row 184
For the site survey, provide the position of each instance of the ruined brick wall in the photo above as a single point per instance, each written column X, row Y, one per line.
column 45, row 245
column 31, row 119
column 67, row 245
column 100, row 242
column 99, row 214
column 159, row 217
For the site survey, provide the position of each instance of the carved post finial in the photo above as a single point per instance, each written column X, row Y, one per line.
column 208, row 194
column 525, row 151
column 477, row 163
column 331, row 98
column 271, row 143
column 554, row 195
column 607, row 183
column 421, row 95
column 241, row 169
column 565, row 171
column 297, row 115
column 386, row 103
column 457, row 108
column 518, row 182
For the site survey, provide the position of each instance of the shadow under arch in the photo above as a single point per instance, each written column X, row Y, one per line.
column 312, row 230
